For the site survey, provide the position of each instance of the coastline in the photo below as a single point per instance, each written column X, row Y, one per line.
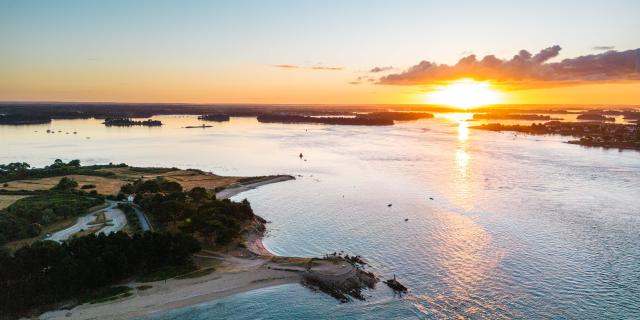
column 235, row 272
column 242, row 187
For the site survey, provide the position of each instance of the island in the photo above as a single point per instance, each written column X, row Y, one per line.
column 383, row 118
column 595, row 117
column 592, row 134
column 183, row 242
column 511, row 116
column 214, row 117
column 352, row 121
column 128, row 122
column 21, row 119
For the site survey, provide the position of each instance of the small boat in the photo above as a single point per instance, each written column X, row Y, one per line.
column 389, row 205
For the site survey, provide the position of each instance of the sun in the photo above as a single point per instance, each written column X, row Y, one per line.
column 464, row 93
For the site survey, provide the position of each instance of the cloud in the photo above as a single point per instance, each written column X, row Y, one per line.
column 605, row 48
column 286, row 66
column 525, row 69
column 381, row 69
column 327, row 68
column 293, row 66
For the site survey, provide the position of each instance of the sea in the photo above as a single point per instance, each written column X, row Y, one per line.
column 478, row 224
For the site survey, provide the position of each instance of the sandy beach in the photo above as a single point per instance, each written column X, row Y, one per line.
column 233, row 275
column 234, row 190
column 237, row 270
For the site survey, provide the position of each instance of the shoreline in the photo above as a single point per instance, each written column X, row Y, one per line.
column 240, row 268
column 235, row 273
column 235, row 190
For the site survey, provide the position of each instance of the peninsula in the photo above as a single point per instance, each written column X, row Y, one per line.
column 183, row 242
column 591, row 134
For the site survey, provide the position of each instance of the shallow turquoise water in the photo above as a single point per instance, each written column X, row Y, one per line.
column 519, row 226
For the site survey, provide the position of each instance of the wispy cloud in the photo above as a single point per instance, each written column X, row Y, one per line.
column 327, row 68
column 286, row 66
column 526, row 69
column 381, row 69
column 293, row 66
column 603, row 48
column 362, row 79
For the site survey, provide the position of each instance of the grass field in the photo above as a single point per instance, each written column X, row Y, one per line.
column 103, row 185
column 7, row 200
column 110, row 186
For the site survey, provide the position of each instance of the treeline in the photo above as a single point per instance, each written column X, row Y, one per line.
column 354, row 121
column 17, row 119
column 46, row 273
column 214, row 117
column 128, row 122
column 197, row 212
column 399, row 116
column 27, row 217
column 23, row 170
column 509, row 116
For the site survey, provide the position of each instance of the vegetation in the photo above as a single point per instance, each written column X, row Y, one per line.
column 290, row 118
column 47, row 273
column 214, row 117
column 133, row 224
column 127, row 122
column 26, row 217
column 593, row 134
column 22, row 170
column 510, row 116
column 215, row 222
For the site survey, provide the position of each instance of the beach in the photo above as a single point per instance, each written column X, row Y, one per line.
column 237, row 269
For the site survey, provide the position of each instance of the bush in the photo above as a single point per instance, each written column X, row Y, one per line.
column 66, row 184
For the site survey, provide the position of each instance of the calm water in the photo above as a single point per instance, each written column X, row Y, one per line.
column 519, row 226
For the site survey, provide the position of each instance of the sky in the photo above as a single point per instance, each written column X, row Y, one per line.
column 318, row 52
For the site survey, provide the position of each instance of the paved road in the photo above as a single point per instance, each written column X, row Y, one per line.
column 144, row 223
column 117, row 217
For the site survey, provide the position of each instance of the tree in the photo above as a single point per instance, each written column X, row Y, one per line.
column 198, row 194
column 66, row 184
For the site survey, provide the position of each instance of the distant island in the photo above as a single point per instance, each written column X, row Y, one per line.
column 214, row 117
column 364, row 119
column 21, row 119
column 509, row 116
column 354, row 121
column 202, row 126
column 595, row 117
column 592, row 134
column 127, row 122
column 179, row 227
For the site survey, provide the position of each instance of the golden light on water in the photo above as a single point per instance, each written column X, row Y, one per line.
column 465, row 93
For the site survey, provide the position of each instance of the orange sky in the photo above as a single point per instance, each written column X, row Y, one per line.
column 224, row 52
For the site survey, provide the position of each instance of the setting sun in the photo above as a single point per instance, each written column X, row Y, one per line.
column 464, row 93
